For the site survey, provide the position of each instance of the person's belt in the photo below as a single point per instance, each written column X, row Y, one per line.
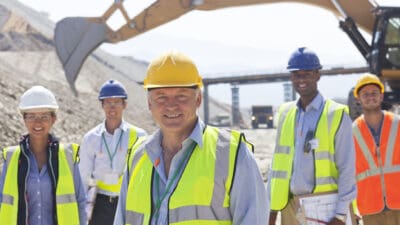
column 110, row 199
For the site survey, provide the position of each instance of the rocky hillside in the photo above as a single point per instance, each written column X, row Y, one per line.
column 27, row 58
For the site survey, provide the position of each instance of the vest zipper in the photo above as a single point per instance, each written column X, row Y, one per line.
column 380, row 165
column 26, row 184
column 51, row 167
column 53, row 177
column 315, row 171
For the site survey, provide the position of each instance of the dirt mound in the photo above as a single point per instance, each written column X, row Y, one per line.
column 27, row 58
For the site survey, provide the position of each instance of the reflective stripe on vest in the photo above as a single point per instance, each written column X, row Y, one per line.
column 115, row 188
column 132, row 151
column 325, row 168
column 9, row 204
column 67, row 207
column 377, row 167
column 211, row 201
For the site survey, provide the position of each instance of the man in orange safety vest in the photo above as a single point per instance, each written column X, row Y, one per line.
column 376, row 136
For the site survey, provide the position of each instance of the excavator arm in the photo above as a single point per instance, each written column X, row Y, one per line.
column 76, row 37
column 163, row 11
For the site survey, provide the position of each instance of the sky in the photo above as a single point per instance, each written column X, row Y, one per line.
column 233, row 41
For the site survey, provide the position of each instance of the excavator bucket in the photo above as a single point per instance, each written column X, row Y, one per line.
column 75, row 38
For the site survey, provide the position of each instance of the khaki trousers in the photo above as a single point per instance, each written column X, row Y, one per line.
column 288, row 214
column 388, row 217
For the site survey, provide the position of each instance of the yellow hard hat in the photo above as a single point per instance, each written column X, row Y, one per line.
column 172, row 69
column 365, row 79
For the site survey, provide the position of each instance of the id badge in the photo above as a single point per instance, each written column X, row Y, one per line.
column 314, row 144
column 111, row 178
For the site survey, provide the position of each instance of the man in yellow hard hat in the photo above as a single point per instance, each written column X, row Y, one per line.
column 376, row 136
column 187, row 172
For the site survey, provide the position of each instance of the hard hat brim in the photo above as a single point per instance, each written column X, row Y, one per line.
column 115, row 96
column 152, row 86
column 38, row 109
column 304, row 69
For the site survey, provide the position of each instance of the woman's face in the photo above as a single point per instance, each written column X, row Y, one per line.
column 39, row 124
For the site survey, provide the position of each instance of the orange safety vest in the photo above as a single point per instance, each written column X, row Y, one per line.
column 377, row 166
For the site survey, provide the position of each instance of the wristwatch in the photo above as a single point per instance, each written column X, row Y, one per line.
column 341, row 217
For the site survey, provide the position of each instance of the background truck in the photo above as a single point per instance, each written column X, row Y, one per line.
column 221, row 120
column 262, row 114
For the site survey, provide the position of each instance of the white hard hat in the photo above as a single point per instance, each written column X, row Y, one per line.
column 37, row 98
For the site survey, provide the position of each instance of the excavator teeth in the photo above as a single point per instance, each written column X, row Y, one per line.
column 75, row 38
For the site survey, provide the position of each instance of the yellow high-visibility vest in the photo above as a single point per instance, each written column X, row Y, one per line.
column 197, row 197
column 115, row 188
column 325, row 168
column 66, row 204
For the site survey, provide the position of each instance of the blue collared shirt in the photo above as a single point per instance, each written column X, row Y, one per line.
column 247, row 202
column 40, row 201
column 303, row 174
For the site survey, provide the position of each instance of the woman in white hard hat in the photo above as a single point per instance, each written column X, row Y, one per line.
column 41, row 183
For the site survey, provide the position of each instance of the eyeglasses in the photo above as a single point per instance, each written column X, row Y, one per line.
column 36, row 117
column 307, row 144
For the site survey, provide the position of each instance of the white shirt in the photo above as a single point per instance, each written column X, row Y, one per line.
column 103, row 155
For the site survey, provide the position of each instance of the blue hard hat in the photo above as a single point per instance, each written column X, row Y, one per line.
column 112, row 89
column 303, row 59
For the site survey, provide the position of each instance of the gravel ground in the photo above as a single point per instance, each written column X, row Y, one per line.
column 264, row 144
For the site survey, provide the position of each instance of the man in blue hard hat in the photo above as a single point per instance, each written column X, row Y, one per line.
column 314, row 150
column 103, row 154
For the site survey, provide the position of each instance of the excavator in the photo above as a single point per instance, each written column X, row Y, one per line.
column 76, row 37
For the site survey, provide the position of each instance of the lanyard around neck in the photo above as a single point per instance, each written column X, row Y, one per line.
column 160, row 198
column 112, row 155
